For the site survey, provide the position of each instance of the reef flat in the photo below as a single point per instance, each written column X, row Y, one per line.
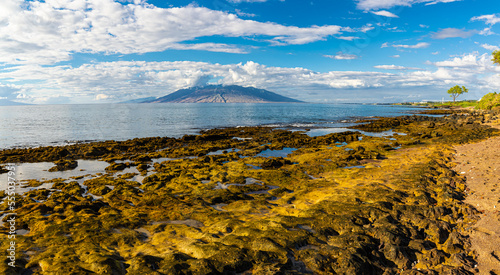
column 254, row 200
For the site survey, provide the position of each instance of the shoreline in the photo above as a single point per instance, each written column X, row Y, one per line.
column 342, row 202
column 478, row 163
column 34, row 130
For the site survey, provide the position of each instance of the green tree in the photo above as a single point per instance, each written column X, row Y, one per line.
column 496, row 57
column 456, row 91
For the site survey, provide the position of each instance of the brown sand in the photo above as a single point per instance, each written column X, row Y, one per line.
column 480, row 164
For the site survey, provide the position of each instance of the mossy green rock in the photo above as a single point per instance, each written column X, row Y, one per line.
column 62, row 165
column 339, row 204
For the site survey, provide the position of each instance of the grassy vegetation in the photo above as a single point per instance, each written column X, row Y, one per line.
column 489, row 101
column 464, row 103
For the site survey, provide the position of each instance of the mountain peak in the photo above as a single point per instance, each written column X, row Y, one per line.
column 222, row 94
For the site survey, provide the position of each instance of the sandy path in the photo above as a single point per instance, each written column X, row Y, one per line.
column 480, row 164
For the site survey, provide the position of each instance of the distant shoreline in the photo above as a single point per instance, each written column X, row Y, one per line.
column 54, row 125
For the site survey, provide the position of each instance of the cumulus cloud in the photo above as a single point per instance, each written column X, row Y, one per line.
column 490, row 47
column 490, row 19
column 122, row 80
column 100, row 97
column 479, row 63
column 452, row 33
column 385, row 13
column 387, row 4
column 486, row 32
column 51, row 31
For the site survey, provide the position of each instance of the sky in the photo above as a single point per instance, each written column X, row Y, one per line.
column 328, row 51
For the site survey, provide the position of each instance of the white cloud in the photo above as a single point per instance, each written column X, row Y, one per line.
column 424, row 26
column 122, row 80
column 342, row 56
column 348, row 38
column 248, row 1
column 9, row 91
column 486, row 31
column 367, row 28
column 490, row 19
column 452, row 33
column 51, row 31
column 100, row 97
column 394, row 67
column 212, row 47
column 420, row 45
column 470, row 63
column 395, row 29
column 385, row 13
column 244, row 14
column 396, row 56
column 438, row 1
column 490, row 47
column 387, row 4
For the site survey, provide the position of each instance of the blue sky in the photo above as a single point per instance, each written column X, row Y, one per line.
column 333, row 51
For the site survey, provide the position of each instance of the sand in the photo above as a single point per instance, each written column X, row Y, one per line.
column 480, row 164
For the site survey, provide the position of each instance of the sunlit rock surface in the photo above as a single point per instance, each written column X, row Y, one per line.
column 212, row 203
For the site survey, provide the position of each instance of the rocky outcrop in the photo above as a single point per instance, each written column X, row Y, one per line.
column 63, row 164
column 342, row 203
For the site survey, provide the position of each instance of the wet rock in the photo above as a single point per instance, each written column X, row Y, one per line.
column 38, row 194
column 72, row 188
column 95, row 151
column 432, row 257
column 3, row 169
column 461, row 259
column 317, row 261
column 62, row 165
column 199, row 215
column 274, row 163
column 116, row 167
column 142, row 167
column 144, row 264
column 141, row 158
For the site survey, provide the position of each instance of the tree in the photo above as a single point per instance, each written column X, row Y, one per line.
column 496, row 57
column 456, row 91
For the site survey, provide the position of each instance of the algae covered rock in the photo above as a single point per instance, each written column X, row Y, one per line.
column 3, row 169
column 116, row 167
column 62, row 165
column 342, row 203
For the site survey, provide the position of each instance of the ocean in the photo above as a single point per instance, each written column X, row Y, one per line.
column 43, row 125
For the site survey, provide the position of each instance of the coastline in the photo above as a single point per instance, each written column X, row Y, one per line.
column 478, row 163
column 29, row 126
column 342, row 202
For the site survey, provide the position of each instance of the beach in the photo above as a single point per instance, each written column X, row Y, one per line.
column 390, row 198
column 479, row 163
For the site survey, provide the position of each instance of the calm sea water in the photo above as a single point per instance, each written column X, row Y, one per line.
column 41, row 125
